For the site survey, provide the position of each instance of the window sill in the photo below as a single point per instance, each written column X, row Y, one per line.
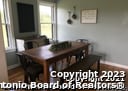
column 10, row 50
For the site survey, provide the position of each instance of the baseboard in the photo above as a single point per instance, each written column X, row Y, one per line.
column 13, row 66
column 114, row 64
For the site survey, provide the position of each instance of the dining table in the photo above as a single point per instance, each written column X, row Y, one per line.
column 44, row 56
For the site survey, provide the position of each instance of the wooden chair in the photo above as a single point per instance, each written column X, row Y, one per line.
column 42, row 40
column 30, row 44
column 80, row 55
column 82, row 40
column 31, row 70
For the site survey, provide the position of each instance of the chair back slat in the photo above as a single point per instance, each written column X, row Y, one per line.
column 82, row 40
column 30, row 44
column 23, row 60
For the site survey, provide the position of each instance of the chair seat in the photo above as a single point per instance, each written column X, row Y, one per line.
column 32, row 72
column 34, row 69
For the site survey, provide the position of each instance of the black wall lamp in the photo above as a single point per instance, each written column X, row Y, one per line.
column 74, row 16
column 69, row 21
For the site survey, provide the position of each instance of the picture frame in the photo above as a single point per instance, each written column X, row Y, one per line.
column 88, row 16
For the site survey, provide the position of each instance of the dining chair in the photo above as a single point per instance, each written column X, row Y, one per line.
column 82, row 40
column 80, row 55
column 30, row 44
column 31, row 70
column 40, row 41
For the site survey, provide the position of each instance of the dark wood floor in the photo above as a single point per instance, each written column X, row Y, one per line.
column 16, row 74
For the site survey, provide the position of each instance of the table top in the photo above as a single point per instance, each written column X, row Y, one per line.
column 43, row 54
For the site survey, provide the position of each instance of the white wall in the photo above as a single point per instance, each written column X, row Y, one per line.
column 109, row 36
column 3, row 65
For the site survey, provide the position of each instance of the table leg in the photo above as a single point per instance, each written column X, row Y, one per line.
column 68, row 59
column 86, row 50
column 98, row 67
column 46, row 73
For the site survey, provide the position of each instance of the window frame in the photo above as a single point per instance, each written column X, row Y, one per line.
column 8, row 22
column 53, row 22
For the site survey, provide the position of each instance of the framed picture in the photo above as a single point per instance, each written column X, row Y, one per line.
column 89, row 16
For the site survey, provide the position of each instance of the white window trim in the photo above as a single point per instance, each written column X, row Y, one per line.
column 54, row 35
column 11, row 39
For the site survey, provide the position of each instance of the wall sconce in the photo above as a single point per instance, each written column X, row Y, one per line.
column 69, row 21
column 74, row 16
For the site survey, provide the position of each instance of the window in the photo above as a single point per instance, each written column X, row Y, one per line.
column 47, row 19
column 6, row 25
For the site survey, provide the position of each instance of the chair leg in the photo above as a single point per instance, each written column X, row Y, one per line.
column 26, row 78
column 61, row 82
column 38, row 77
column 32, row 78
column 68, row 59
column 78, row 58
column 98, row 67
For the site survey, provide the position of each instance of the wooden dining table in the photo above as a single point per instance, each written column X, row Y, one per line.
column 45, row 57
